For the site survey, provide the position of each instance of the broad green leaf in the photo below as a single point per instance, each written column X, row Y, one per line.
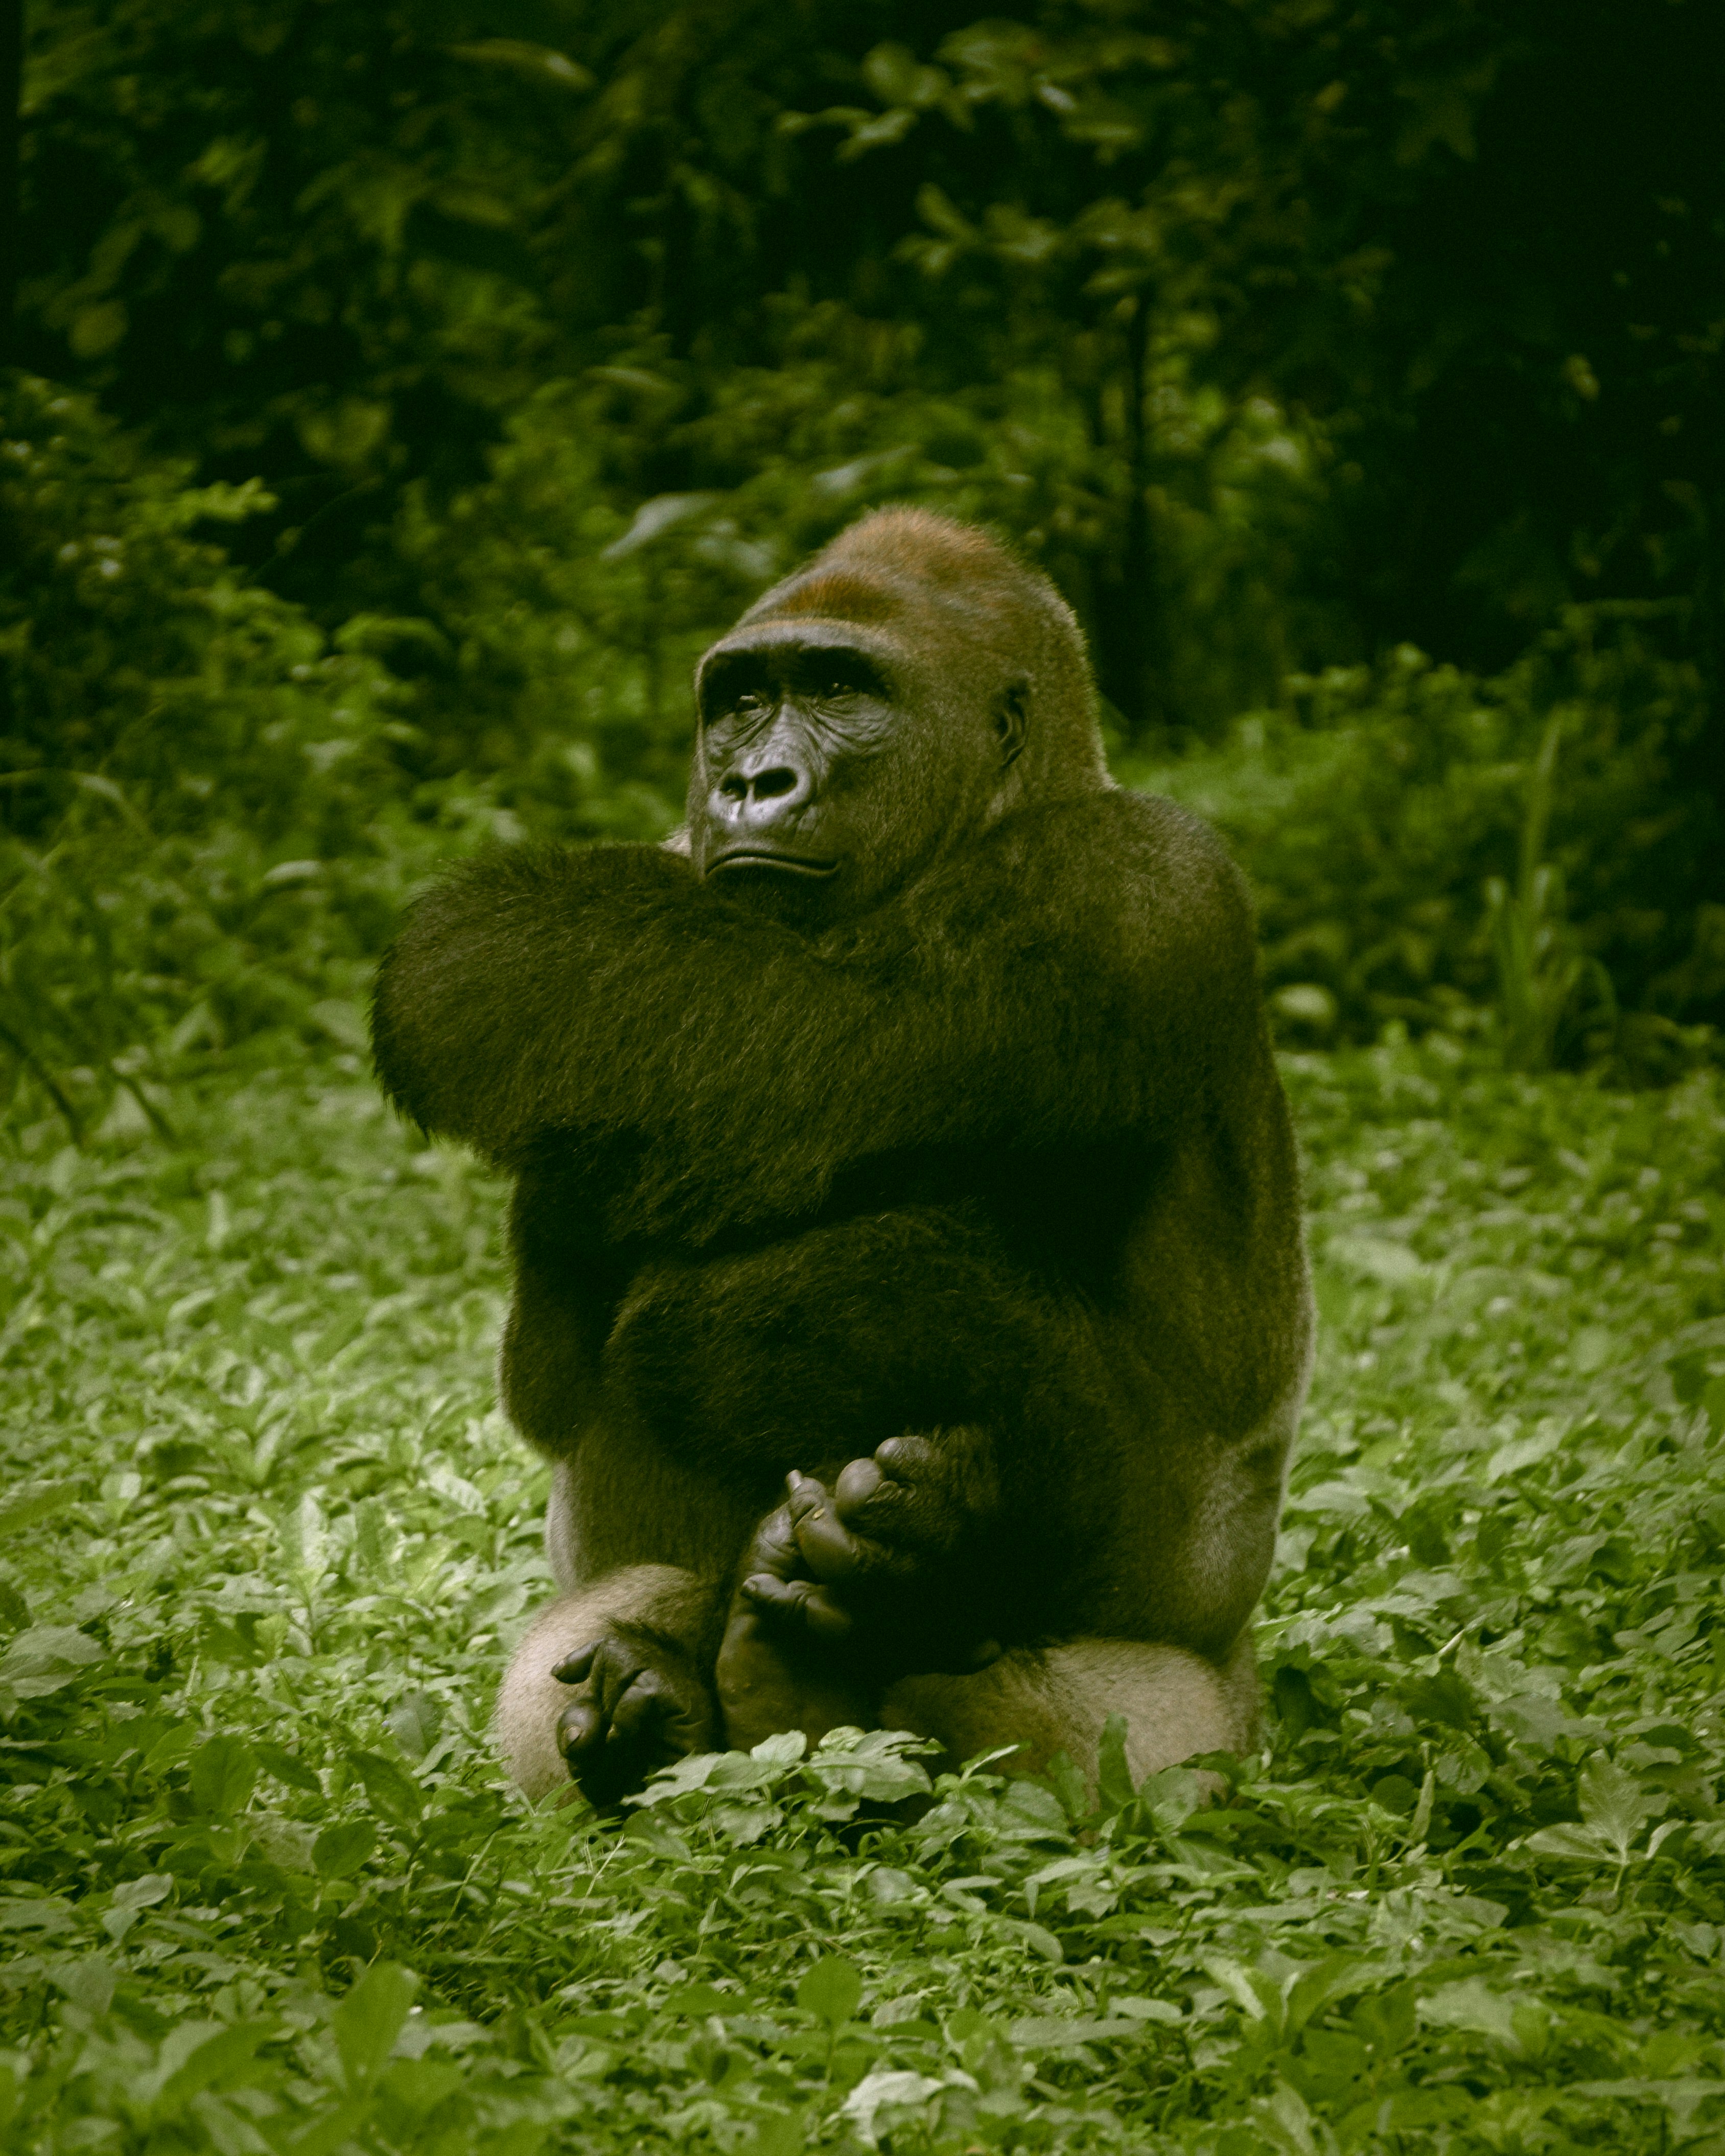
column 35, row 1912
column 339, row 1852
column 1056, row 2032
column 210, row 2062
column 275, row 1759
column 888, row 2089
column 537, row 62
column 224, row 1771
column 393, row 1791
column 414, row 1723
column 1473, row 2005
column 28, row 1503
column 1026, row 1806
column 1568, row 1839
column 831, row 1991
column 132, row 1898
column 88, row 1982
column 1615, row 1805
column 46, row 1659
column 369, row 2019
column 1115, row 1787
column 1039, row 1938
column 692, row 1772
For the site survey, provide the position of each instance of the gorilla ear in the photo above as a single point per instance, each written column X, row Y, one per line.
column 1012, row 719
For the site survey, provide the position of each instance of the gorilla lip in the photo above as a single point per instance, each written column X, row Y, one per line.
column 767, row 857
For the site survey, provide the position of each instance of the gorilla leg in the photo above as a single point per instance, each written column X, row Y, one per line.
column 608, row 1684
column 1056, row 1699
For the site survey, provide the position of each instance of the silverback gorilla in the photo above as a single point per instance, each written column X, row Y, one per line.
column 905, row 1136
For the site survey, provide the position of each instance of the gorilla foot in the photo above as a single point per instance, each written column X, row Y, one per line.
column 637, row 1706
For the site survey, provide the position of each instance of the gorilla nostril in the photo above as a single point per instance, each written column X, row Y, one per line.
column 734, row 787
column 768, row 785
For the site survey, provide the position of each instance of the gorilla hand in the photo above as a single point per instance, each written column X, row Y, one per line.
column 771, row 1676
column 637, row 1706
column 876, row 1562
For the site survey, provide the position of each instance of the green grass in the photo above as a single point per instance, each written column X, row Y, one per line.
column 267, row 1542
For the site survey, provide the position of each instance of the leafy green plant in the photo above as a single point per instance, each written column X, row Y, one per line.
column 1372, row 813
column 265, row 1545
column 1540, row 972
column 206, row 830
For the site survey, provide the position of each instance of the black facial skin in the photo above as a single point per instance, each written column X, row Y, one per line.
column 821, row 777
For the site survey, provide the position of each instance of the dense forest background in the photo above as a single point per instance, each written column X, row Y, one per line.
column 397, row 397
column 402, row 396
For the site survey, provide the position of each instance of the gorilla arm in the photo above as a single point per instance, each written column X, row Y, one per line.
column 1081, row 973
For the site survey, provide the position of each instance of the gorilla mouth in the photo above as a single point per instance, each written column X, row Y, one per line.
column 769, row 857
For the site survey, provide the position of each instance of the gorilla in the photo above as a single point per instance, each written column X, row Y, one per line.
column 910, row 1289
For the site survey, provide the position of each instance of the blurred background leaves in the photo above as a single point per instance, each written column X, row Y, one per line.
column 404, row 397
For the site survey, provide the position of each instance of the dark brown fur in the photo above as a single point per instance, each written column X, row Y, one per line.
column 1004, row 1151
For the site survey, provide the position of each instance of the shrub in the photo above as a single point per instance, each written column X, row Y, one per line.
column 203, row 834
column 1371, row 814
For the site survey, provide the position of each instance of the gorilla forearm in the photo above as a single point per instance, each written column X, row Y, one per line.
column 1085, row 974
column 818, row 1348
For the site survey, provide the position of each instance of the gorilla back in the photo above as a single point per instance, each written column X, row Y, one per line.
column 910, row 1119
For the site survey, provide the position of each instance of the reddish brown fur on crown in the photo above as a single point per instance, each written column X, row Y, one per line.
column 995, row 619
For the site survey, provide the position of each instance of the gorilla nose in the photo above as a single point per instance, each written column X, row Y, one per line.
column 759, row 800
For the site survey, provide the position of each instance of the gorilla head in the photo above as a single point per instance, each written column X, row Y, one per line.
column 891, row 699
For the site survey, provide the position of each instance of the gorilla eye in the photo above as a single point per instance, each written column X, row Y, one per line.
column 834, row 682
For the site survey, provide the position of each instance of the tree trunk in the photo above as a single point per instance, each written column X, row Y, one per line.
column 11, row 62
column 1131, row 640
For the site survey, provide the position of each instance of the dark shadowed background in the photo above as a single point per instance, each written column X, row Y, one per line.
column 404, row 395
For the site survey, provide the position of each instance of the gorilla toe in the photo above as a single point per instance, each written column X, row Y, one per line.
column 636, row 1708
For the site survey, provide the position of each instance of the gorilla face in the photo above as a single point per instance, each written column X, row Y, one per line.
column 829, row 767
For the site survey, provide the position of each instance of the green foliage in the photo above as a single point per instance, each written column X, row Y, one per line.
column 339, row 245
column 521, row 346
column 1539, row 973
column 211, row 811
column 205, row 831
column 1374, row 817
column 267, row 1547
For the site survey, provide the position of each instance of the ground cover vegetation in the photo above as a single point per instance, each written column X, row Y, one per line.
column 267, row 1540
column 403, row 396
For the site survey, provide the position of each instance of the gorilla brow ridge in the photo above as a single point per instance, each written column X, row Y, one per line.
column 911, row 563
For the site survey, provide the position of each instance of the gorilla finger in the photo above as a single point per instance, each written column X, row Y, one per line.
column 580, row 1726
column 638, row 1709
column 859, row 1481
column 774, row 1547
column 893, row 1518
column 823, row 1542
column 800, row 1602
column 908, row 1458
column 804, row 1494
column 574, row 1668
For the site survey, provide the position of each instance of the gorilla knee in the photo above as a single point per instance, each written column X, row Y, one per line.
column 1176, row 1705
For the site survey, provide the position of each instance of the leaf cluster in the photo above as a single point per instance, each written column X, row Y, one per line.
column 267, row 1547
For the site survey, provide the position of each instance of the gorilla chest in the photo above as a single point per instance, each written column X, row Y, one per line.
column 828, row 1341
